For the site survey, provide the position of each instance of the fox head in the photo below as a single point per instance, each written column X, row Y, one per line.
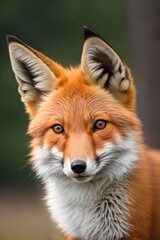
column 82, row 119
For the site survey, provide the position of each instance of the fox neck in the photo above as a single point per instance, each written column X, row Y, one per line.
column 84, row 203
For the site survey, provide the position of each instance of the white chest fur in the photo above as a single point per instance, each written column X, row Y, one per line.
column 89, row 211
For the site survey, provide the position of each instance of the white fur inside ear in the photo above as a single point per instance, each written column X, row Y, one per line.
column 101, row 61
column 30, row 69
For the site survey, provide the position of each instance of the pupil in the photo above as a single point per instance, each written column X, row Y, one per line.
column 58, row 128
column 100, row 124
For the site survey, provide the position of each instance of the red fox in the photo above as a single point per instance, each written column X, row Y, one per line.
column 101, row 182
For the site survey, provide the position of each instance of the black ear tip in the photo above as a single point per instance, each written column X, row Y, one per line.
column 88, row 32
column 11, row 38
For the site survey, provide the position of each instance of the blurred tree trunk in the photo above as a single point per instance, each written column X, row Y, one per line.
column 144, row 26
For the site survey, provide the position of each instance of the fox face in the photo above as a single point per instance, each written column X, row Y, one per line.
column 81, row 138
column 82, row 119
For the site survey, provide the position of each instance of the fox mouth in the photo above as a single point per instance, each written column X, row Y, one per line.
column 81, row 179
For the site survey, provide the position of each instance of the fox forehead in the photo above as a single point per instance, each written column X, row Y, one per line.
column 71, row 105
column 71, row 92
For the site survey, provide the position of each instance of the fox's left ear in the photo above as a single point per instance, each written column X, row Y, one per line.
column 105, row 68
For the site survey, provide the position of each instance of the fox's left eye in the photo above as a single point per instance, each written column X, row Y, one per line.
column 99, row 125
column 58, row 129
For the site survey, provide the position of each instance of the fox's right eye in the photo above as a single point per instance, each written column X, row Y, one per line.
column 58, row 129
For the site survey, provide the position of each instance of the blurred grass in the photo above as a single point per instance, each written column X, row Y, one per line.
column 23, row 216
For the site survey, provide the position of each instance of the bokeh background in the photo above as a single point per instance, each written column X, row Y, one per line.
column 56, row 28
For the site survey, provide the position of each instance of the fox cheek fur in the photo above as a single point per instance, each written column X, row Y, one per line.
column 87, row 143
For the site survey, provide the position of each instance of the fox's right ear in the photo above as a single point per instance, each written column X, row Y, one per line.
column 35, row 73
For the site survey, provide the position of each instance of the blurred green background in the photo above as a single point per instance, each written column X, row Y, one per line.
column 56, row 29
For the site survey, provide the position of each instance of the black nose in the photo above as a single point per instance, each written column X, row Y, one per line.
column 78, row 166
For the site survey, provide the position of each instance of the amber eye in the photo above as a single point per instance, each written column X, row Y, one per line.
column 58, row 129
column 99, row 125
